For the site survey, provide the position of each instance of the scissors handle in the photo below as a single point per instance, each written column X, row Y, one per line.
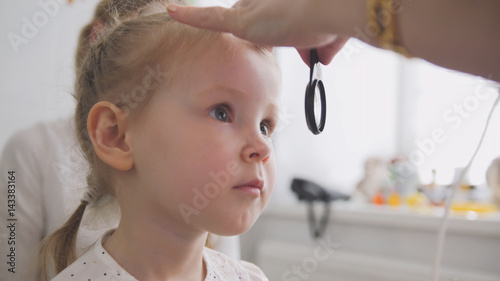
column 310, row 99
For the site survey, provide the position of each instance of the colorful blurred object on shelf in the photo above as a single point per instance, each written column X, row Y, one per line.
column 482, row 208
column 394, row 199
column 391, row 183
column 417, row 200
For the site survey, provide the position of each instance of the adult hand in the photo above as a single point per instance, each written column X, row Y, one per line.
column 272, row 23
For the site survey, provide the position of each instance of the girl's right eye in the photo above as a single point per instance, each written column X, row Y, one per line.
column 220, row 113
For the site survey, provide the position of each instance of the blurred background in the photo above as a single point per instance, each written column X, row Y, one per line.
column 397, row 131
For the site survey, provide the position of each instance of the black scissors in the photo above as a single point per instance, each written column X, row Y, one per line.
column 315, row 92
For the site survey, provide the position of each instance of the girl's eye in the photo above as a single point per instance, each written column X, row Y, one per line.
column 267, row 127
column 220, row 113
column 264, row 129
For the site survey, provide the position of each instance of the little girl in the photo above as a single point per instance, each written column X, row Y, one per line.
column 176, row 125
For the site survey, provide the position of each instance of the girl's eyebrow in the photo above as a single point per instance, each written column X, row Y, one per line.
column 218, row 88
column 273, row 108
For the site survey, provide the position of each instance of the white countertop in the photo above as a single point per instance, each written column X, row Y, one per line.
column 397, row 217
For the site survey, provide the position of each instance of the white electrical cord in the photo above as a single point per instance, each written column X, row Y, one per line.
column 455, row 187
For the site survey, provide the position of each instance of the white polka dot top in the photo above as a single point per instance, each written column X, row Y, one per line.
column 97, row 265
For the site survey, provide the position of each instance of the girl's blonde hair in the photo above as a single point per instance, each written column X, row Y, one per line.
column 106, row 12
column 135, row 35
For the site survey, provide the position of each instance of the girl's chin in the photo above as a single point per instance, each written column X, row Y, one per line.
column 231, row 229
column 230, row 232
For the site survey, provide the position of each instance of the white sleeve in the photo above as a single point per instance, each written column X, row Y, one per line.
column 19, row 242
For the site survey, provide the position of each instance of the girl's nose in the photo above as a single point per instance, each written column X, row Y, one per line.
column 256, row 149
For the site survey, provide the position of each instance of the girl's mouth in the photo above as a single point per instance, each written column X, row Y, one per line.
column 253, row 187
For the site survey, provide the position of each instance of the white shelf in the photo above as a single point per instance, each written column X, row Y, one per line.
column 398, row 217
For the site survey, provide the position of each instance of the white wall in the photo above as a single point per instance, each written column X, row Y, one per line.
column 362, row 96
column 456, row 105
column 36, row 81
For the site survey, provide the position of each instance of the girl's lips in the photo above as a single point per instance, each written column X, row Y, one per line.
column 253, row 187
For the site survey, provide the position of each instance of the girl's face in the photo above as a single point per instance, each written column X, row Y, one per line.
column 203, row 156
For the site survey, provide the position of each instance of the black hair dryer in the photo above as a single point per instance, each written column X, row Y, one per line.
column 312, row 192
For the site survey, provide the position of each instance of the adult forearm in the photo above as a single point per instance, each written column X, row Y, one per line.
column 458, row 34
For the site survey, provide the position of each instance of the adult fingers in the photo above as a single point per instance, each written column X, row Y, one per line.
column 214, row 18
column 305, row 55
column 328, row 52
column 325, row 53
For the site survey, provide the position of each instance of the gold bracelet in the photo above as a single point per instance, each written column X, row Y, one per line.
column 382, row 16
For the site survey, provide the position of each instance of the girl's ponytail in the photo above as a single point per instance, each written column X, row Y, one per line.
column 58, row 250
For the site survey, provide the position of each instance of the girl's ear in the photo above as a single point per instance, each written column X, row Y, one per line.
column 107, row 127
